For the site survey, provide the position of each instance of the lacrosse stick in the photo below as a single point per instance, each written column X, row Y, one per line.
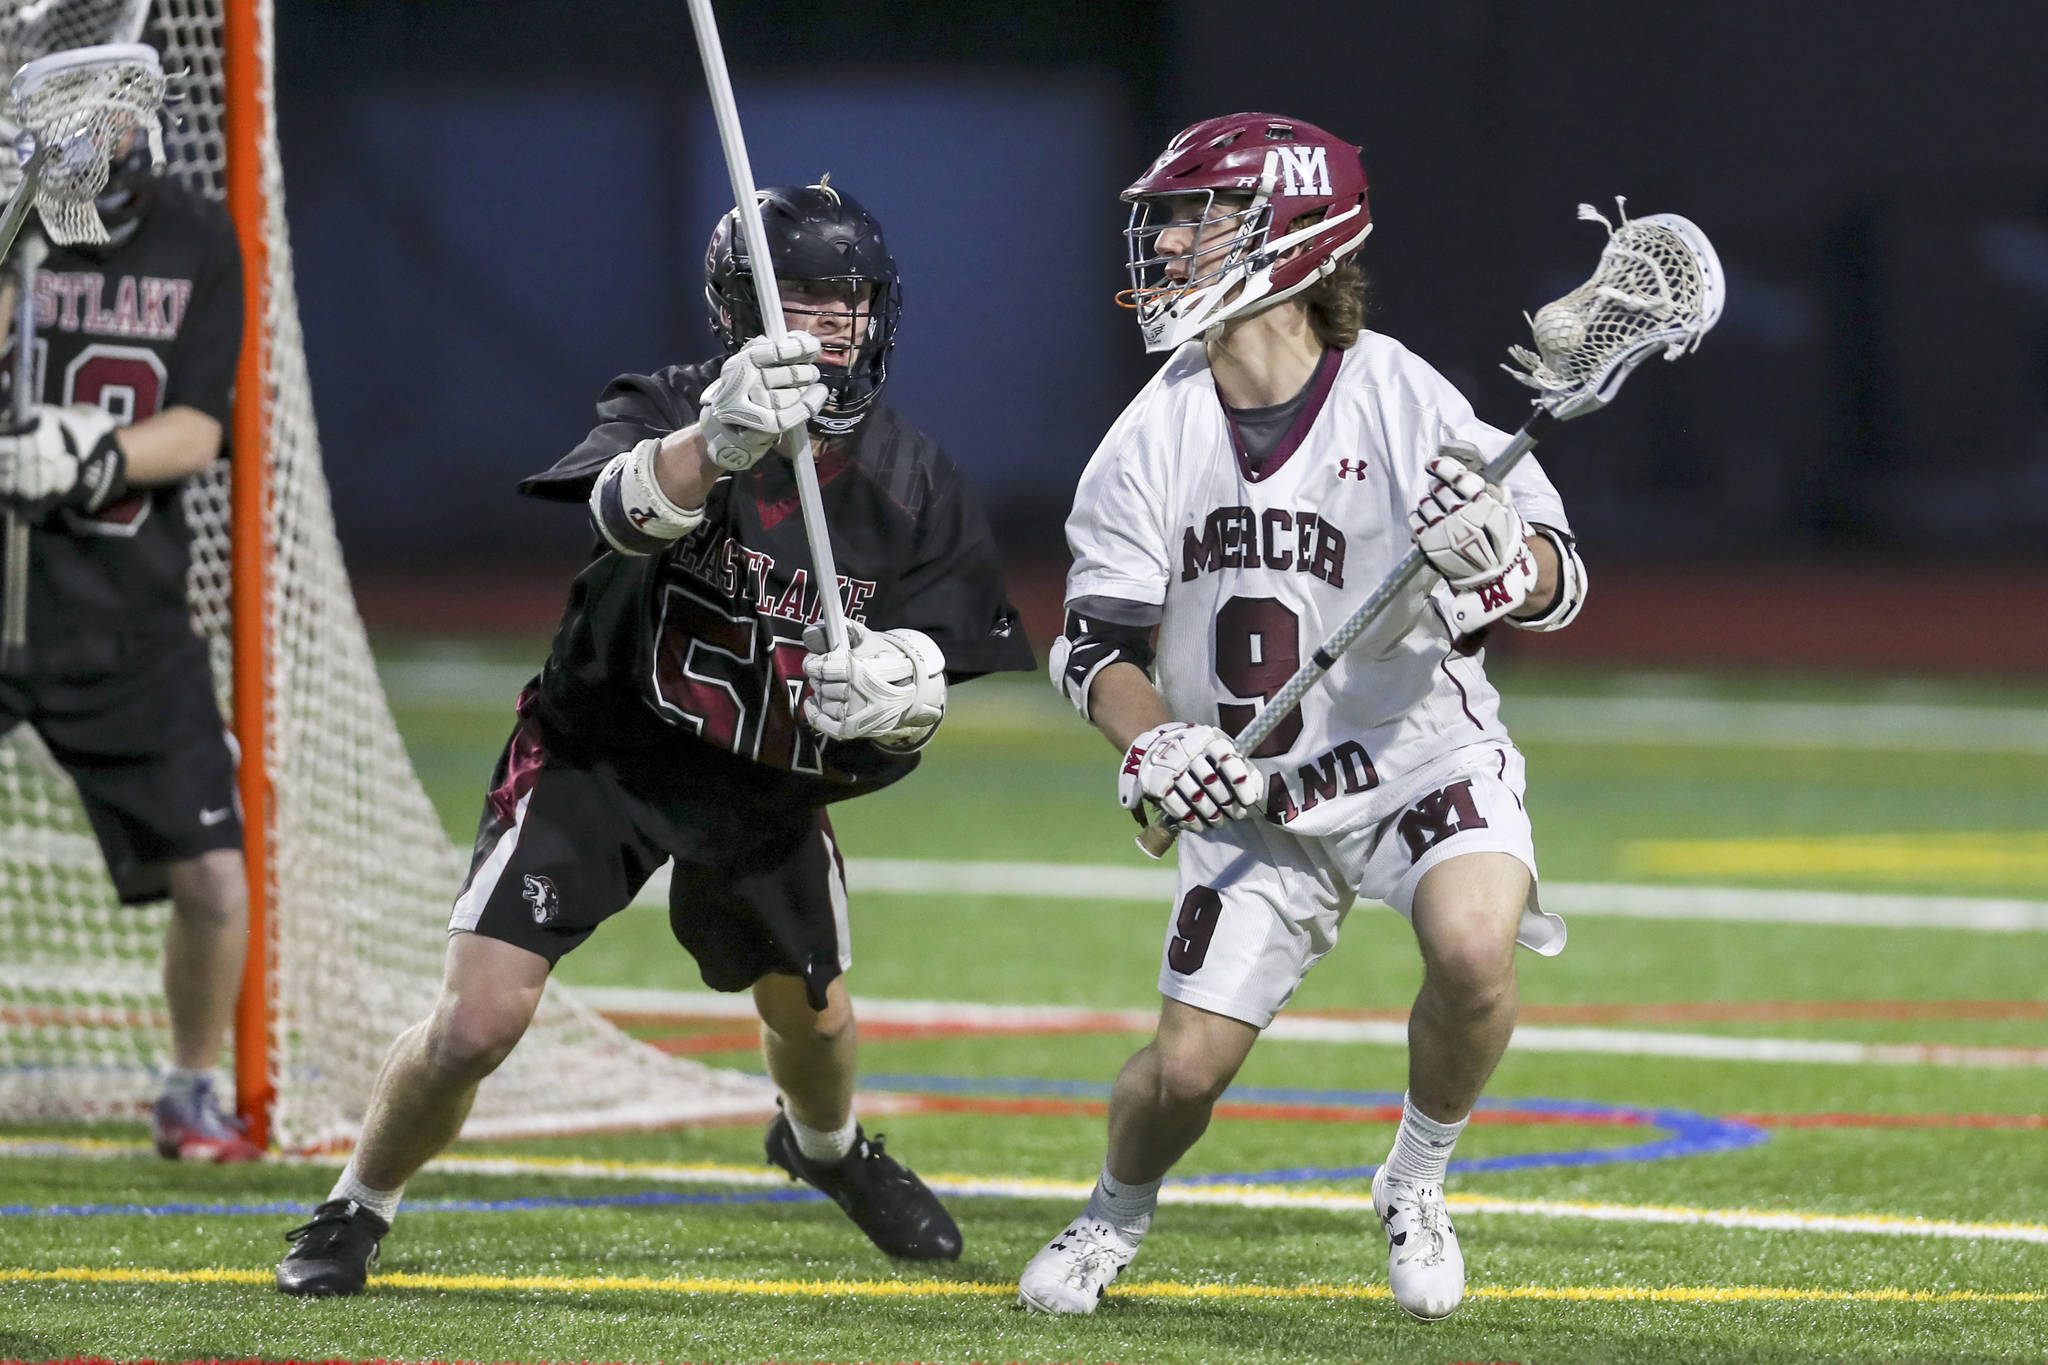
column 1658, row 287
column 798, row 442
column 36, row 28
column 27, row 259
column 73, row 111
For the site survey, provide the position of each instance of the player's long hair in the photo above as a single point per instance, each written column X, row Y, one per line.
column 1336, row 306
column 1336, row 302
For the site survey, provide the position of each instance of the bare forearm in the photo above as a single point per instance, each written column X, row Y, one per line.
column 1124, row 704
column 174, row 444
column 684, row 469
column 1544, row 594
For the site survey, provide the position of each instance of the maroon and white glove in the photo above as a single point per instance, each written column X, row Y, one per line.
column 1469, row 531
column 1194, row 772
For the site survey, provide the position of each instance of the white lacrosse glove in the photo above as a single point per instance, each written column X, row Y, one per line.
column 69, row 458
column 769, row 387
column 888, row 686
column 1194, row 772
column 1469, row 531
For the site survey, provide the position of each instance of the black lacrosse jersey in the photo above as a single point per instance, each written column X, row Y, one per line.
column 149, row 321
column 689, row 663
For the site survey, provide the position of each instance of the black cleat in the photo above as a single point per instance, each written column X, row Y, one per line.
column 333, row 1253
column 879, row 1193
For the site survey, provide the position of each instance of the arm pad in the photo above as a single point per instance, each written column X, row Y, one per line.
column 1089, row 645
column 1571, row 584
column 629, row 509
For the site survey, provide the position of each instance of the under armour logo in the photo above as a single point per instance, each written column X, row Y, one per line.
column 541, row 895
column 1351, row 469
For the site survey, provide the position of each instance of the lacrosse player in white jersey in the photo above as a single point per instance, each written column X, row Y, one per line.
column 1266, row 480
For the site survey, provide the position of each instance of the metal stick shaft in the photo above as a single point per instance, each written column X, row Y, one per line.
column 809, row 500
column 24, row 197
column 28, row 252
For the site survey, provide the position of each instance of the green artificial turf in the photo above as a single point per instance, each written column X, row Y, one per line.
column 1016, row 776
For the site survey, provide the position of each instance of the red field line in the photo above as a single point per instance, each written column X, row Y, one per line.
column 696, row 1044
column 82, row 1016
column 1677, row 1012
column 1752, row 1011
column 346, row 1360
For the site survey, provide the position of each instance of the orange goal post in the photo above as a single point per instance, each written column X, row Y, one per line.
column 350, row 873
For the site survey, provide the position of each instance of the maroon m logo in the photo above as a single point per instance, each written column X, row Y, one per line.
column 1439, row 815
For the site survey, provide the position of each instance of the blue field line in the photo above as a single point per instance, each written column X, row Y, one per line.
column 1688, row 1133
column 299, row 1208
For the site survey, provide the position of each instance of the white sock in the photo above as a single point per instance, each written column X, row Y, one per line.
column 181, row 1083
column 1422, row 1146
column 823, row 1146
column 383, row 1203
column 1127, row 1208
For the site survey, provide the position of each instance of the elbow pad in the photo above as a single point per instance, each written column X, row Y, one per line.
column 1089, row 645
column 629, row 509
column 1571, row 584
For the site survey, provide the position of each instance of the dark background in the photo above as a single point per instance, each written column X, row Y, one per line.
column 496, row 207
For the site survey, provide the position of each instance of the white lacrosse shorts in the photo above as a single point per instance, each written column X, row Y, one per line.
column 1258, row 906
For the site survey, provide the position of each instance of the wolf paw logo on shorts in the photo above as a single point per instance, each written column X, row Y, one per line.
column 541, row 895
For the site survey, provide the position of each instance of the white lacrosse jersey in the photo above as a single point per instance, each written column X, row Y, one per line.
column 1253, row 570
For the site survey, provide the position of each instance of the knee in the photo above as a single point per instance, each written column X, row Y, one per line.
column 1473, row 972
column 210, row 891
column 468, row 1038
column 815, row 1028
column 1188, row 1079
column 786, row 1012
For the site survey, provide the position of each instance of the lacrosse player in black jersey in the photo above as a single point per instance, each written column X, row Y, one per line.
column 689, row 711
column 135, row 348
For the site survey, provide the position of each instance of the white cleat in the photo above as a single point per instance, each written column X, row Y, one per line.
column 1073, row 1270
column 1425, row 1265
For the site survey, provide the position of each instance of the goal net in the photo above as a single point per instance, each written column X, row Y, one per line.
column 355, row 874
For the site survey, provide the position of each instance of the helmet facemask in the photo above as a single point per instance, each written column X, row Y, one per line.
column 1227, row 279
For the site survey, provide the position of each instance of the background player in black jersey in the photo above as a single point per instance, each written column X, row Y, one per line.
column 136, row 345
column 667, row 721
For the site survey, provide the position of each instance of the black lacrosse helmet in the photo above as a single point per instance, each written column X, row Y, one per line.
column 815, row 233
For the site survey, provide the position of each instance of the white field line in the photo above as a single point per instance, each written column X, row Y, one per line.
column 1920, row 726
column 1308, row 1028
column 1648, row 715
column 1225, row 1196
column 1621, row 900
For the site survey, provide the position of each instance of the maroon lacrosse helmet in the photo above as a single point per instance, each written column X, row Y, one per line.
column 1253, row 174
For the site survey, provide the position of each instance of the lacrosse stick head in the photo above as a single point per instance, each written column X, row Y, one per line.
column 84, row 108
column 1658, row 287
column 36, row 28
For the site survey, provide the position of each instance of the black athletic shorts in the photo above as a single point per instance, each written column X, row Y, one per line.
column 155, row 768
column 567, row 841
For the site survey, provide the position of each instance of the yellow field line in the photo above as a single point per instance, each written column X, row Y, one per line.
column 1157, row 1289
column 1233, row 1196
